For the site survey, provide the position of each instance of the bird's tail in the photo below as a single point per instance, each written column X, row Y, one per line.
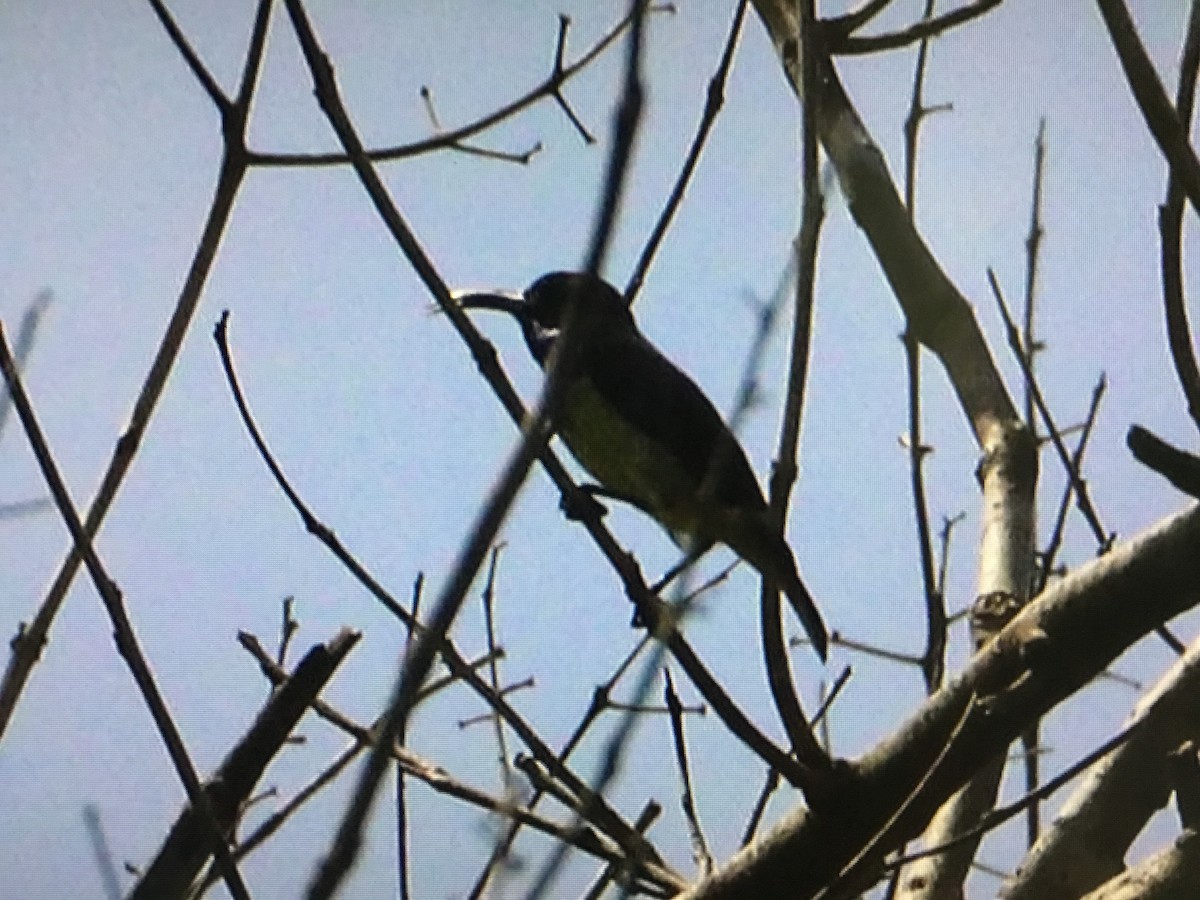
column 770, row 554
column 810, row 617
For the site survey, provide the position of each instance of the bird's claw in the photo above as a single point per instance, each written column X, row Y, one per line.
column 581, row 505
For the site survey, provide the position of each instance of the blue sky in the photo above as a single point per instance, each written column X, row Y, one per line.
column 375, row 409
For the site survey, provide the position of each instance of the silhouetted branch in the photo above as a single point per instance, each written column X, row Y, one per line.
column 22, row 346
column 1083, row 498
column 28, row 644
column 918, row 31
column 1050, row 554
column 123, row 633
column 1151, row 99
column 714, row 99
column 1170, row 227
column 104, row 858
column 1179, row 467
column 535, row 434
column 700, row 852
column 550, row 87
column 1002, row 814
column 185, row 851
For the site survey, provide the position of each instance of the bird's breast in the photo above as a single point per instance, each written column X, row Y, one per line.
column 627, row 461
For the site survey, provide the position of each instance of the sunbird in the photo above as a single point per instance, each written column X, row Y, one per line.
column 648, row 435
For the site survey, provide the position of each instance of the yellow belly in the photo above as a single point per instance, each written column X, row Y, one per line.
column 627, row 462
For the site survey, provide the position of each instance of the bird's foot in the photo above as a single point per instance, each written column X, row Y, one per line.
column 581, row 504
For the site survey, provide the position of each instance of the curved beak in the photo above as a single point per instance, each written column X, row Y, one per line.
column 513, row 304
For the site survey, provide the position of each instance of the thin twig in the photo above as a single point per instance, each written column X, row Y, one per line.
column 28, row 645
column 23, row 345
column 599, row 703
column 1031, row 736
column 123, row 633
column 948, row 523
column 1002, row 814
column 489, row 617
column 1170, row 228
column 437, row 684
column 454, row 660
column 933, row 660
column 917, row 113
column 1156, row 109
column 700, row 851
column 1050, row 554
column 287, row 629
column 714, row 100
column 441, row 781
column 181, row 858
column 609, row 757
column 335, row 866
column 839, row 683
column 560, row 52
column 403, row 857
column 1033, row 243
column 541, row 781
column 786, row 467
column 1082, row 498
column 549, row 88
column 523, row 684
column 919, row 31
column 770, row 785
column 191, row 57
column 775, row 649
column 620, row 872
column 469, row 149
column 837, row 639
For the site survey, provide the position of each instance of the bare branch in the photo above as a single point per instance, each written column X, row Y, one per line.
column 550, row 87
column 28, row 645
column 123, row 633
column 1095, row 827
column 1179, row 467
column 919, row 31
column 1151, row 99
column 191, row 57
column 714, row 99
column 700, row 852
column 184, row 852
column 1170, row 227
column 1055, row 645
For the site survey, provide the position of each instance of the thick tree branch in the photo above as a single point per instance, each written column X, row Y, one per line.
column 1088, row 842
column 1055, row 645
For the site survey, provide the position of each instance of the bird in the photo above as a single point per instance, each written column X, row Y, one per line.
column 648, row 435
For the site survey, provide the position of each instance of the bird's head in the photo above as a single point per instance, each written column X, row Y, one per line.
column 541, row 309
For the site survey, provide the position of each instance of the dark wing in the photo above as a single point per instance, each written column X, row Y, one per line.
column 662, row 402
